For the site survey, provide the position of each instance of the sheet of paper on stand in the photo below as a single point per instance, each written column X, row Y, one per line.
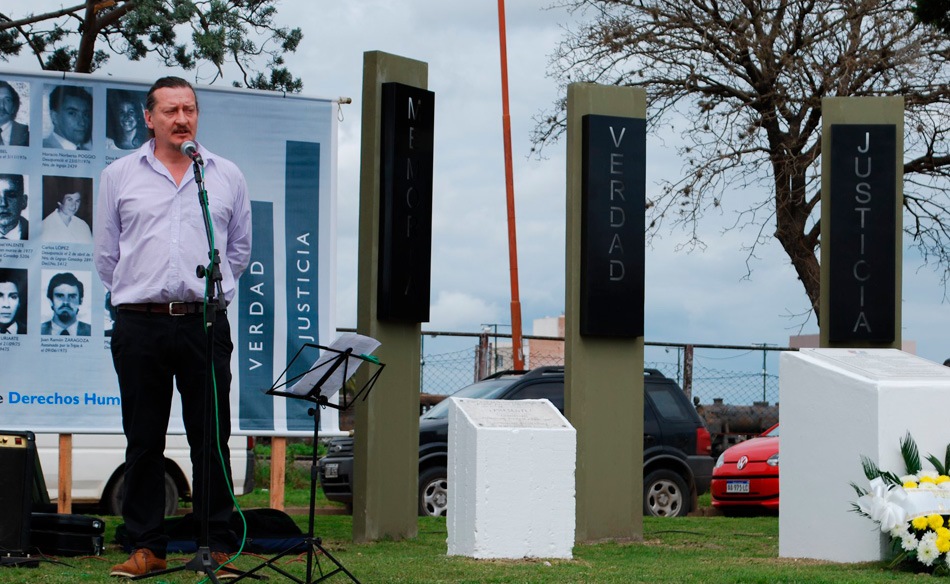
column 360, row 346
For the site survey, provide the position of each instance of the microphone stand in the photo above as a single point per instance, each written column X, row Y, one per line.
column 214, row 302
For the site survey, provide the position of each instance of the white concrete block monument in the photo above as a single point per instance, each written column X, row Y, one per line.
column 511, row 479
column 837, row 405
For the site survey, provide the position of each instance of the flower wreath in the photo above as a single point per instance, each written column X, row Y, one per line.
column 913, row 509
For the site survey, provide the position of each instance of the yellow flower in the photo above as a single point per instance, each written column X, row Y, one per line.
column 910, row 485
column 919, row 523
column 935, row 521
column 943, row 545
column 927, row 479
column 942, row 479
column 943, row 532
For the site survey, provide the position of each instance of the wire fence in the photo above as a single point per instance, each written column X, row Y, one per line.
column 725, row 374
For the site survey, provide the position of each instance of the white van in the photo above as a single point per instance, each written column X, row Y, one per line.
column 99, row 460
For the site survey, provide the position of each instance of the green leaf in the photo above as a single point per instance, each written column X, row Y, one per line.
column 871, row 470
column 938, row 465
column 859, row 491
column 910, row 454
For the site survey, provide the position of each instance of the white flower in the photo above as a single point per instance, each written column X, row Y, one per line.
column 882, row 505
column 909, row 479
column 909, row 542
column 928, row 473
column 898, row 531
column 927, row 551
column 925, row 486
column 945, row 486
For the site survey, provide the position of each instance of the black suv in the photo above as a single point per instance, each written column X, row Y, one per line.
column 677, row 464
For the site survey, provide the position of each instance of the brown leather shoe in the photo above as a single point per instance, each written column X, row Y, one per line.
column 225, row 573
column 141, row 562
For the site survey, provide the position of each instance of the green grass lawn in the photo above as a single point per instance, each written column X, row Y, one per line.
column 689, row 549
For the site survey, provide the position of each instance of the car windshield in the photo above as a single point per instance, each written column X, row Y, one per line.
column 488, row 389
column 773, row 433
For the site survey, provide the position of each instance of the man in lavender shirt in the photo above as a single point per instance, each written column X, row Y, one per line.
column 149, row 238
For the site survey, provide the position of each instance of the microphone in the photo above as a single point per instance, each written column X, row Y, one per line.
column 190, row 149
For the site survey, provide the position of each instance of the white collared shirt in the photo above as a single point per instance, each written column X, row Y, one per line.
column 57, row 329
column 14, row 233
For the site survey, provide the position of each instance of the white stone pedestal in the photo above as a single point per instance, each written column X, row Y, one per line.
column 511, row 479
column 837, row 405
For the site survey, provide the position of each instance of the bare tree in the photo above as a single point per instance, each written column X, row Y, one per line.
column 218, row 31
column 748, row 77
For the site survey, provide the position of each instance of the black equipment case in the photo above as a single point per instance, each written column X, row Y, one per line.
column 66, row 535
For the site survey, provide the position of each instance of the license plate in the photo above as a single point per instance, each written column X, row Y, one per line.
column 332, row 471
column 737, row 486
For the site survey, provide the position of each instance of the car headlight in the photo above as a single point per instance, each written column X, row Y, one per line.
column 721, row 460
column 773, row 460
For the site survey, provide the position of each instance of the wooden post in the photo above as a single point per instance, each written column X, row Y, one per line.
column 278, row 471
column 64, row 496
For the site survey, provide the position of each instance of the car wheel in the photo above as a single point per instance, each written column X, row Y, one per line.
column 665, row 494
column 113, row 500
column 433, row 492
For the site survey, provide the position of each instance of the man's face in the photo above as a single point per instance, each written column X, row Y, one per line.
column 70, row 204
column 7, row 105
column 174, row 119
column 73, row 120
column 12, row 201
column 9, row 303
column 66, row 302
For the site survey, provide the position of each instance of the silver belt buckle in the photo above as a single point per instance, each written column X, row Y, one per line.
column 172, row 311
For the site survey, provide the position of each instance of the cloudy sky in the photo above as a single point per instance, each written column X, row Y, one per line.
column 700, row 297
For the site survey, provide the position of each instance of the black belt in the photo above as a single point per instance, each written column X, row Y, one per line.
column 169, row 308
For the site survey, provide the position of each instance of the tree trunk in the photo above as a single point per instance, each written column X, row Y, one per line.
column 87, row 43
column 791, row 219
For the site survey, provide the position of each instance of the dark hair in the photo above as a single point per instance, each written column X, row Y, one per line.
column 162, row 84
column 115, row 98
column 61, row 92
column 15, row 180
column 55, row 189
column 18, row 278
column 15, row 277
column 14, row 94
column 63, row 278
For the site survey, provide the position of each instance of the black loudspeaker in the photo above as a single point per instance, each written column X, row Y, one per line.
column 17, row 463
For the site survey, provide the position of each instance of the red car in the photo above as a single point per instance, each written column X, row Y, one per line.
column 746, row 475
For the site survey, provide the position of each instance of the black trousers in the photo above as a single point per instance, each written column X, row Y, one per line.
column 149, row 351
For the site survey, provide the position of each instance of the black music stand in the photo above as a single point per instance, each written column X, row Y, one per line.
column 326, row 377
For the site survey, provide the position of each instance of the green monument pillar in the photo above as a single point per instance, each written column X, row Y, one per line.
column 386, row 457
column 862, row 157
column 604, row 306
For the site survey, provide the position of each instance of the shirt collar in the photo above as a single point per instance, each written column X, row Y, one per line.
column 14, row 233
column 12, row 329
column 147, row 151
column 6, row 132
column 66, row 144
column 58, row 328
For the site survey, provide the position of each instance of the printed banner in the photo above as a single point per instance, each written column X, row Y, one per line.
column 57, row 133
